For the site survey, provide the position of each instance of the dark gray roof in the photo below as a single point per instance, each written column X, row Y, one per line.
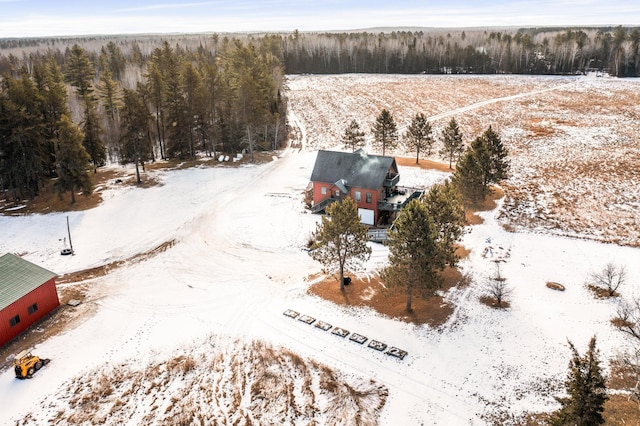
column 19, row 277
column 358, row 169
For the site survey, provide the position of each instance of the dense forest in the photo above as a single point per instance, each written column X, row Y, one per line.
column 523, row 51
column 63, row 113
column 70, row 105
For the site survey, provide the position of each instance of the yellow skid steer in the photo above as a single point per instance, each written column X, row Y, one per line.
column 26, row 364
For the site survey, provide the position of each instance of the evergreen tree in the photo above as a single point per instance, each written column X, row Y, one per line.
column 385, row 131
column 193, row 93
column 53, row 92
column 109, row 92
column 444, row 204
column 452, row 145
column 178, row 130
column 92, row 131
column 211, row 83
column 497, row 167
column 414, row 252
column 252, row 90
column 22, row 136
column 586, row 389
column 156, row 87
column 483, row 164
column 418, row 136
column 80, row 71
column 353, row 137
column 73, row 161
column 481, row 153
column 134, row 143
column 115, row 60
column 340, row 240
column 111, row 99
column 468, row 178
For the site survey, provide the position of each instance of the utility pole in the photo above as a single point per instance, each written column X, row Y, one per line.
column 69, row 232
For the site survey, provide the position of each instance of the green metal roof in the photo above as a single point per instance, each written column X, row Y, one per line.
column 19, row 277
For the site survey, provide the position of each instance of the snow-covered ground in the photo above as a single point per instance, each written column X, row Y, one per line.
column 238, row 263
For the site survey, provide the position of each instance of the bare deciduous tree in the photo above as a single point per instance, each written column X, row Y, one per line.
column 499, row 290
column 609, row 279
column 628, row 319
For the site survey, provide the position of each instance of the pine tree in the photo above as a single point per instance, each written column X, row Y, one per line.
column 498, row 167
column 353, row 137
column 92, row 131
column 53, row 91
column 481, row 152
column 178, row 130
column 251, row 88
column 72, row 161
column 80, row 71
column 22, row 135
column 418, row 136
column 414, row 254
column 452, row 145
column 586, row 389
column 111, row 99
column 468, row 178
column 340, row 240
column 385, row 131
column 156, row 86
column 193, row 90
column 134, row 142
column 444, row 204
column 109, row 91
column 211, row 94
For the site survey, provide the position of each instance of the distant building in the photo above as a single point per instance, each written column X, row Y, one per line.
column 370, row 180
column 27, row 293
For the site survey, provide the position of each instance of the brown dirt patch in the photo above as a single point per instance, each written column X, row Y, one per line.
column 491, row 302
column 48, row 200
column 488, row 204
column 620, row 409
column 601, row 293
column 372, row 292
column 424, row 164
column 103, row 270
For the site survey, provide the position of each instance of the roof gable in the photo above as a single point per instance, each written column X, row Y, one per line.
column 358, row 169
column 19, row 277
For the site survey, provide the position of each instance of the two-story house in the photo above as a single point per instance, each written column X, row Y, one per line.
column 370, row 180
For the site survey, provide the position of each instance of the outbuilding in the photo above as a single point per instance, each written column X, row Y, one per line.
column 27, row 293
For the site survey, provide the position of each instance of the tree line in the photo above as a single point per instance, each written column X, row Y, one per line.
column 523, row 51
column 63, row 114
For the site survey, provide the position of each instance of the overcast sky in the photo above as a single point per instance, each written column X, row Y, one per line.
column 25, row 18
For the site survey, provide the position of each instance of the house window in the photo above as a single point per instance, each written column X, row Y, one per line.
column 323, row 190
column 15, row 320
column 369, row 197
column 32, row 308
column 358, row 196
column 337, row 193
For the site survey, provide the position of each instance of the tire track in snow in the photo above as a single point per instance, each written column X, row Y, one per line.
column 496, row 100
column 403, row 382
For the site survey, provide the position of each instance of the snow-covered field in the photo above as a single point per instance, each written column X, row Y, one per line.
column 238, row 263
column 574, row 141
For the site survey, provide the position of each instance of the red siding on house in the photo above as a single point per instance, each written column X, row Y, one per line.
column 45, row 296
column 373, row 205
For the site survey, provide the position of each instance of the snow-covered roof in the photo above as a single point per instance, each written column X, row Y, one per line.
column 19, row 277
column 358, row 169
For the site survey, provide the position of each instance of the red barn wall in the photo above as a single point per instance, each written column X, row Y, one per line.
column 45, row 296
